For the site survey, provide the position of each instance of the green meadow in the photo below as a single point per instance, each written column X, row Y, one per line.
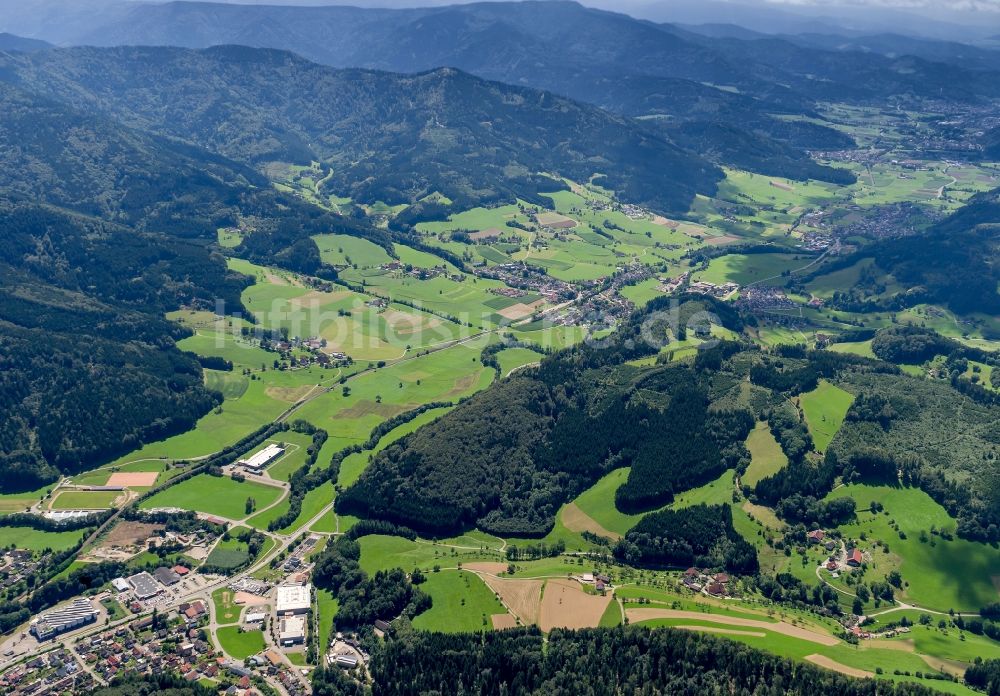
column 380, row 552
column 824, row 409
column 767, row 458
column 375, row 396
column 37, row 540
column 461, row 603
column 84, row 500
column 240, row 644
column 744, row 269
column 214, row 495
column 939, row 574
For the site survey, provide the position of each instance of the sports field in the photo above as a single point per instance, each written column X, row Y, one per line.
column 85, row 500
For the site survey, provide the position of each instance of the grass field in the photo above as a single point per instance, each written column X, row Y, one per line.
column 214, row 495
column 445, row 375
column 513, row 358
column 767, row 458
column 940, row 574
column 863, row 658
column 824, row 409
column 240, row 644
column 862, row 348
column 326, row 607
column 312, row 503
column 743, row 269
column 343, row 250
column 379, row 552
column 36, row 540
column 19, row 502
column 462, row 603
column 84, row 500
column 598, row 503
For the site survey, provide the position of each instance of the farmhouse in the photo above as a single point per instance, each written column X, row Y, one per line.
column 78, row 613
column 716, row 589
column 855, row 558
column 261, row 459
column 816, row 536
column 293, row 599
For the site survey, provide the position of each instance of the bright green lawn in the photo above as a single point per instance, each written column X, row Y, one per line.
column 598, row 503
column 226, row 612
column 36, row 540
column 379, row 552
column 941, row 574
column 512, row 358
column 825, row 408
column 326, row 606
column 240, row 645
column 462, row 603
column 340, row 249
column 214, row 495
column 84, row 500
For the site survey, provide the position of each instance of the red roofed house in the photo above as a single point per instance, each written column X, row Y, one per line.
column 717, row 589
column 854, row 558
column 816, row 536
column 181, row 570
column 831, row 565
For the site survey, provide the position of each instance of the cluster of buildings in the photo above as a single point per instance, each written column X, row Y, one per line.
column 765, row 298
column 600, row 581
column 56, row 672
column 849, row 558
column 145, row 589
column 16, row 565
column 176, row 644
column 529, row 279
column 671, row 285
column 703, row 287
column 706, row 582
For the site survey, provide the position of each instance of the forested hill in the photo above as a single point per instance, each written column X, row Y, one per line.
column 632, row 67
column 630, row 660
column 508, row 458
column 956, row 263
column 52, row 152
column 89, row 365
column 388, row 137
